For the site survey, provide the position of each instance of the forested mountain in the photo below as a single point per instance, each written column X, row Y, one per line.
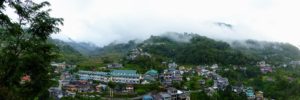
column 120, row 49
column 203, row 50
column 74, row 52
column 189, row 48
column 67, row 52
column 81, row 47
column 197, row 50
column 273, row 52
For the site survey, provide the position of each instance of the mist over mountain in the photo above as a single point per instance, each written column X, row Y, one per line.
column 149, row 49
column 177, row 36
column 213, row 29
column 83, row 47
column 191, row 48
column 268, row 50
column 80, row 47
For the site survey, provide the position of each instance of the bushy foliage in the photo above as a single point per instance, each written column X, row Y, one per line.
column 24, row 49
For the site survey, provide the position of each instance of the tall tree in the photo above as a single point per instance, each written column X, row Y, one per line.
column 111, row 86
column 25, row 54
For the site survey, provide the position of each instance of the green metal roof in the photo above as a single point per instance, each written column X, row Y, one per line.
column 152, row 72
column 119, row 73
column 124, row 71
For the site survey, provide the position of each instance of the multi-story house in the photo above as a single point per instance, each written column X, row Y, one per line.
column 119, row 76
column 125, row 76
column 171, row 75
column 173, row 92
column 151, row 75
column 93, row 75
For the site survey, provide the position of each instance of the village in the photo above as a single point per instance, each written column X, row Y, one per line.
column 128, row 83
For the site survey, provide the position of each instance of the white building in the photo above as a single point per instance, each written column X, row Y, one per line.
column 119, row 76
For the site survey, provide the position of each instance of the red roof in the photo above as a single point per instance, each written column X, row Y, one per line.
column 26, row 78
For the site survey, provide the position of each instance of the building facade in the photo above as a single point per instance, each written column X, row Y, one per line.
column 118, row 76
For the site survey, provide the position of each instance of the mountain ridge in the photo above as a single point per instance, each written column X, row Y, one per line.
column 178, row 46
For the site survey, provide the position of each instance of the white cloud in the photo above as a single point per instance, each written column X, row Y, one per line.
column 104, row 21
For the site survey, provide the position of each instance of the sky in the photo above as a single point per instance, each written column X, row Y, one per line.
column 105, row 21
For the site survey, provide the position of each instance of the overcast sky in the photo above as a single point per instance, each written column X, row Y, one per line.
column 105, row 21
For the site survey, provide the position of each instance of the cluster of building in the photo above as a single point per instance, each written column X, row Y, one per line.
column 137, row 52
column 249, row 91
column 220, row 82
column 120, row 76
column 70, row 84
column 61, row 67
column 171, row 75
column 79, row 86
column 258, row 95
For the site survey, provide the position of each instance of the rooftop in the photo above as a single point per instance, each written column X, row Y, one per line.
column 152, row 72
column 93, row 72
column 125, row 73
column 147, row 97
column 165, row 95
column 249, row 91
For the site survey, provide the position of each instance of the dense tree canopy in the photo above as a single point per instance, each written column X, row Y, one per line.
column 24, row 50
column 199, row 50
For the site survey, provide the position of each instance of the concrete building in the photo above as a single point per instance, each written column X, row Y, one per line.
column 118, row 76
